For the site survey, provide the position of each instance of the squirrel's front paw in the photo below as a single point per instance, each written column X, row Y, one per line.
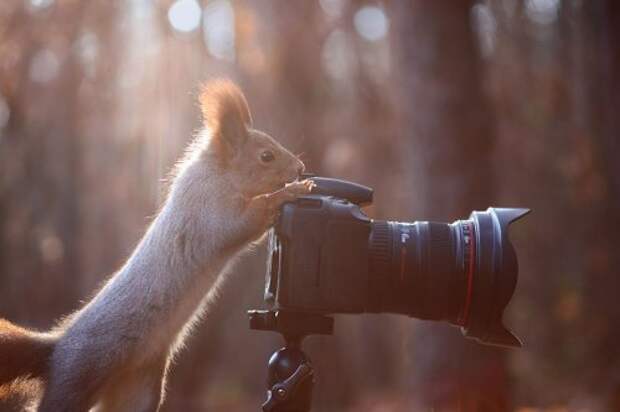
column 289, row 193
column 299, row 188
column 267, row 207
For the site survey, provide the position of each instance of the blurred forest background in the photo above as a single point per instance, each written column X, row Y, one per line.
column 441, row 106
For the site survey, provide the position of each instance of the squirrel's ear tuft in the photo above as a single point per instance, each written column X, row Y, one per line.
column 225, row 112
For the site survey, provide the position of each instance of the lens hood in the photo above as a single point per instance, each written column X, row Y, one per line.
column 495, row 277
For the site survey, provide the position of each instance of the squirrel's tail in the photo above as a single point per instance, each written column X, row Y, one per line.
column 23, row 353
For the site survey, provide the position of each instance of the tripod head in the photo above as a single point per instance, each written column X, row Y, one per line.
column 290, row 376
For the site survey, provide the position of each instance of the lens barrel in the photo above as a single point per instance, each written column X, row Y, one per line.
column 464, row 272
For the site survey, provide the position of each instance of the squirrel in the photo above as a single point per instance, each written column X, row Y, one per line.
column 114, row 353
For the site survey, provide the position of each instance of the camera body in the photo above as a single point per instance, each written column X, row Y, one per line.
column 317, row 251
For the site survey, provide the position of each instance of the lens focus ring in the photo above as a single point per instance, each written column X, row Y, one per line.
column 380, row 257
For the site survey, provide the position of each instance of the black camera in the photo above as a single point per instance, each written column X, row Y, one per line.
column 326, row 256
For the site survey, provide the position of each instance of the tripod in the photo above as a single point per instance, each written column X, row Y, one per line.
column 290, row 376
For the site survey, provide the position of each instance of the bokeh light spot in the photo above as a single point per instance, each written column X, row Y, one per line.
column 341, row 156
column 87, row 48
column 338, row 57
column 371, row 23
column 44, row 66
column 219, row 29
column 486, row 27
column 542, row 11
column 184, row 15
column 52, row 249
column 40, row 4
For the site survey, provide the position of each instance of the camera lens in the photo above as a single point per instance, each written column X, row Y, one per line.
column 328, row 257
column 463, row 272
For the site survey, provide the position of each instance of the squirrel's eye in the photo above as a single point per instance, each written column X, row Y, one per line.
column 267, row 156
